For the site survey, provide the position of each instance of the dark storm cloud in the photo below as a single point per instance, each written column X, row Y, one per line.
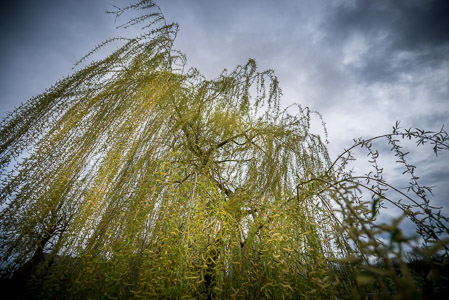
column 47, row 22
column 43, row 39
column 404, row 35
column 411, row 24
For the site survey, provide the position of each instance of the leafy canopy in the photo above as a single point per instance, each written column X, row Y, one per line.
column 138, row 178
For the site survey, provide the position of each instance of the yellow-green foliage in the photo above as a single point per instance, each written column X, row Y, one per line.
column 144, row 180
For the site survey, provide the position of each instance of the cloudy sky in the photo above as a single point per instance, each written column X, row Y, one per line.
column 362, row 64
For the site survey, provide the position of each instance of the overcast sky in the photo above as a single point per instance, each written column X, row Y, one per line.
column 361, row 64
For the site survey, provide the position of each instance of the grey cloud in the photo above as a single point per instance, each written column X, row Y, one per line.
column 44, row 39
column 403, row 35
column 410, row 24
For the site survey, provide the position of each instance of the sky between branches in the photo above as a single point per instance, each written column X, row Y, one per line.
column 361, row 64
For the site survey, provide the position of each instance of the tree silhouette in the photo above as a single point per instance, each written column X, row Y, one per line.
column 138, row 178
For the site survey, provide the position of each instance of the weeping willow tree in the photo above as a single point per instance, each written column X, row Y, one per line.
column 136, row 178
